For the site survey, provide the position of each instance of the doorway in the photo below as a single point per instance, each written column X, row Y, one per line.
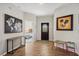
column 28, row 31
column 44, row 31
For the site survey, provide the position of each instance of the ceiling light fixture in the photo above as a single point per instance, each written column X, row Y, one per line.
column 41, row 3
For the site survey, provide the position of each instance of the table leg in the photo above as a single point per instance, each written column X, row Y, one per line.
column 12, row 46
column 7, row 46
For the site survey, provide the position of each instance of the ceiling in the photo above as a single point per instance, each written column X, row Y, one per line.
column 38, row 8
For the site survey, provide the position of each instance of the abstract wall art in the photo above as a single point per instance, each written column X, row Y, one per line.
column 12, row 24
column 65, row 23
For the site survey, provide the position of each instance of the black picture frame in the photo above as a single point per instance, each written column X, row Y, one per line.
column 12, row 24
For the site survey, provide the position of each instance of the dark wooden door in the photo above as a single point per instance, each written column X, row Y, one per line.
column 44, row 31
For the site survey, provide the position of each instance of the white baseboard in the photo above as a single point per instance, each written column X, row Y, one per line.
column 9, row 51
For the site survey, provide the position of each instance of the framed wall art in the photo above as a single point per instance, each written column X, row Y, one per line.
column 12, row 24
column 65, row 23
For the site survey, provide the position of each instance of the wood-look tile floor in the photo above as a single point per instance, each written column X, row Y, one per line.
column 41, row 48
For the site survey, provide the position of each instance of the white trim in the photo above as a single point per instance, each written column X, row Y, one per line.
column 9, row 51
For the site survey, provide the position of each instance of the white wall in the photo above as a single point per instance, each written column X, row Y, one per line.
column 32, row 18
column 28, row 25
column 13, row 11
column 43, row 19
column 73, row 36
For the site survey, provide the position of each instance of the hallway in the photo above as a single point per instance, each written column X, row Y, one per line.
column 41, row 48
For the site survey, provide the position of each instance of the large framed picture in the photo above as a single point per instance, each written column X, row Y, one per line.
column 12, row 24
column 65, row 23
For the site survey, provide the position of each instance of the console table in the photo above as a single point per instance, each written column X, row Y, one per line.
column 12, row 43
